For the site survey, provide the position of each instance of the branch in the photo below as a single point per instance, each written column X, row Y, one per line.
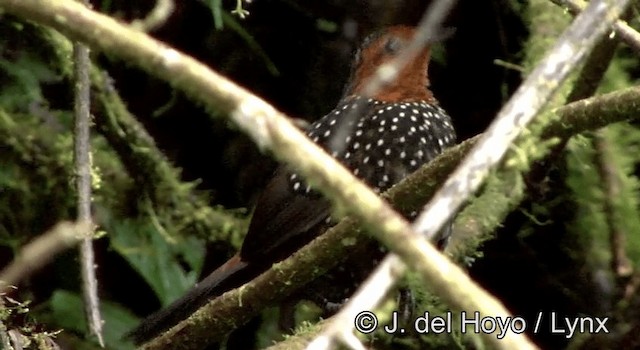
column 153, row 172
column 83, row 183
column 523, row 106
column 186, row 74
column 391, row 269
column 623, row 31
column 609, row 171
column 240, row 305
column 145, row 163
column 156, row 18
column 269, row 130
column 41, row 251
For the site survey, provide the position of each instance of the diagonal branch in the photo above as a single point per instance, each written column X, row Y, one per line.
column 519, row 111
column 236, row 307
column 257, row 119
column 625, row 32
column 270, row 130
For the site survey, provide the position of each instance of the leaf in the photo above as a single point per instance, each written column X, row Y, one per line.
column 158, row 261
column 68, row 312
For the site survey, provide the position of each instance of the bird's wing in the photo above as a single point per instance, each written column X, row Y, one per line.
column 284, row 220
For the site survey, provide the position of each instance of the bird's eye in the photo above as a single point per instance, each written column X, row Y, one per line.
column 393, row 45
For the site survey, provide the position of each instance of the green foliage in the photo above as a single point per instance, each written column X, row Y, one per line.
column 23, row 72
column 594, row 204
column 624, row 142
column 222, row 18
column 67, row 312
column 584, row 181
column 159, row 259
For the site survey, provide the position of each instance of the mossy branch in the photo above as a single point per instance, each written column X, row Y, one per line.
column 269, row 130
column 195, row 79
column 178, row 201
column 236, row 307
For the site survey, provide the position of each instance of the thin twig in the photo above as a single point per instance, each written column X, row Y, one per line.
column 41, row 251
column 83, row 183
column 627, row 34
column 429, row 29
column 156, row 17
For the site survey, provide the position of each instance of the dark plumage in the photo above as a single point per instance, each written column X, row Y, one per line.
column 380, row 139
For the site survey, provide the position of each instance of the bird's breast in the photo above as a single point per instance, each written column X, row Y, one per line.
column 380, row 142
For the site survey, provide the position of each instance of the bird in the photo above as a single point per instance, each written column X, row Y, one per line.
column 380, row 138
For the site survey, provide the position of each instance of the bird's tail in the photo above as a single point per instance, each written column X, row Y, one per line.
column 214, row 284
